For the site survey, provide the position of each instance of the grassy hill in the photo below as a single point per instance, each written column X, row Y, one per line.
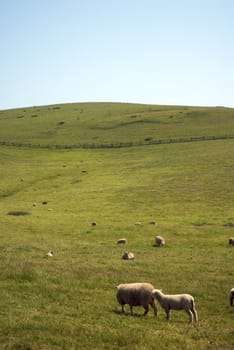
column 111, row 123
column 68, row 301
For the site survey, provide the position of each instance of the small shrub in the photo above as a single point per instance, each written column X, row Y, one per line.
column 18, row 213
column 148, row 138
column 229, row 224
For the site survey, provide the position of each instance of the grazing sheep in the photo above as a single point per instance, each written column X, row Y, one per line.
column 50, row 253
column 94, row 223
column 231, row 296
column 231, row 241
column 159, row 241
column 136, row 294
column 128, row 256
column 122, row 241
column 176, row 302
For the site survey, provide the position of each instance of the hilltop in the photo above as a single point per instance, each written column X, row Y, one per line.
column 111, row 123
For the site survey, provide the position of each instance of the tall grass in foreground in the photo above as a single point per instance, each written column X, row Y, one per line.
column 68, row 301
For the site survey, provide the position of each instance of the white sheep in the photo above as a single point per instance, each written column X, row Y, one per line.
column 159, row 241
column 50, row 253
column 231, row 240
column 136, row 294
column 231, row 296
column 128, row 256
column 176, row 302
column 122, row 241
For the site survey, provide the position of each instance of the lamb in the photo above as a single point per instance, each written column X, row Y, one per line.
column 159, row 241
column 136, row 294
column 231, row 296
column 231, row 241
column 176, row 302
column 122, row 241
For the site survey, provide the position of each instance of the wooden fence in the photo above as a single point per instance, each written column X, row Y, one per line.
column 119, row 145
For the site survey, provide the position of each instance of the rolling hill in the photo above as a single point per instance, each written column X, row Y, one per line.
column 111, row 123
column 50, row 195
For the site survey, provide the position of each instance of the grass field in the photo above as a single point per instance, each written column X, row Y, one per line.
column 68, row 301
column 107, row 123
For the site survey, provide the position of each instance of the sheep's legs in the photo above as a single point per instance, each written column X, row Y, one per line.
column 168, row 314
column 154, row 308
column 123, row 308
column 195, row 314
column 146, row 307
column 189, row 312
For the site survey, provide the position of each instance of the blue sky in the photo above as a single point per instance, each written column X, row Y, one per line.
column 176, row 52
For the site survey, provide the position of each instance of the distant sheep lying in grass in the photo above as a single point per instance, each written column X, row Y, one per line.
column 152, row 222
column 231, row 241
column 231, row 296
column 159, row 241
column 138, row 223
column 122, row 241
column 176, row 302
column 136, row 294
column 128, row 256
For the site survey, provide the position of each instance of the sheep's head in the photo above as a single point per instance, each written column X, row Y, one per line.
column 156, row 292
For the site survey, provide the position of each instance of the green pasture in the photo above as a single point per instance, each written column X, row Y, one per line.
column 68, row 301
column 107, row 123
